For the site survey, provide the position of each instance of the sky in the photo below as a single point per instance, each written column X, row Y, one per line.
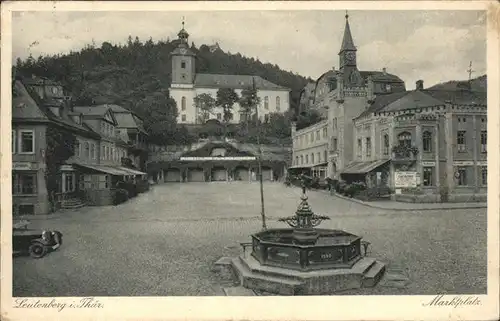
column 434, row 46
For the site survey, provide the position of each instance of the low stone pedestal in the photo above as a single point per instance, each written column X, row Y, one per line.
column 252, row 275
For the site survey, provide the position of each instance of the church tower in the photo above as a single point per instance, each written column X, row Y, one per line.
column 347, row 58
column 183, row 60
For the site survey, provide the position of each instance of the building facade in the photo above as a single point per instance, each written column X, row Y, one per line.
column 311, row 149
column 427, row 145
column 342, row 95
column 40, row 110
column 213, row 161
column 186, row 84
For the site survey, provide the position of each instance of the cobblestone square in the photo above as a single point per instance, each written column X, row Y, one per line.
column 165, row 242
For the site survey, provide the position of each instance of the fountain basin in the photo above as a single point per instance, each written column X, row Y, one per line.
column 306, row 249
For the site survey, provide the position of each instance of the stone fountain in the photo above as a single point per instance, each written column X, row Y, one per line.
column 305, row 260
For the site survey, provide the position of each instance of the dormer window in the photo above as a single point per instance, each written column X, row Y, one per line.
column 387, row 87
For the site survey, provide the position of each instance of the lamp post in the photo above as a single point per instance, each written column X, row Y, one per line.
column 259, row 157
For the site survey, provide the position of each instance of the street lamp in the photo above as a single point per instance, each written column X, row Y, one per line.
column 259, row 157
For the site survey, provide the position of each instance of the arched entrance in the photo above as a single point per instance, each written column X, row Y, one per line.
column 219, row 174
column 172, row 175
column 196, row 175
column 241, row 173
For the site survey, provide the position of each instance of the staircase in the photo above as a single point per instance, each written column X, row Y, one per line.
column 72, row 203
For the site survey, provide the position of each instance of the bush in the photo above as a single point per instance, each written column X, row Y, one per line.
column 373, row 193
column 119, row 196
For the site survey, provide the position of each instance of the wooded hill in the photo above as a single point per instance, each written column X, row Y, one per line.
column 137, row 75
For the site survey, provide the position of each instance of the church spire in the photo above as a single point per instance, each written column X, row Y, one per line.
column 347, row 42
column 183, row 35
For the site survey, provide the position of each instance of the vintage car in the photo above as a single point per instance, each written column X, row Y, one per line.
column 34, row 242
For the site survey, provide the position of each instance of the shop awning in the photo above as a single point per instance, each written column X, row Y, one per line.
column 363, row 167
column 300, row 166
column 132, row 171
column 106, row 169
column 320, row 165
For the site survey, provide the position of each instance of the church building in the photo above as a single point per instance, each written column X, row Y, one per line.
column 186, row 84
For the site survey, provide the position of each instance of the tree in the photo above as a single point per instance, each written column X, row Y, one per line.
column 308, row 118
column 226, row 98
column 159, row 113
column 205, row 105
column 248, row 103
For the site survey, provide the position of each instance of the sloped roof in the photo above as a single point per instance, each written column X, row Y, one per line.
column 125, row 120
column 118, row 109
column 460, row 97
column 380, row 76
column 24, row 106
column 347, row 42
column 99, row 110
column 234, row 81
column 382, row 101
column 412, row 100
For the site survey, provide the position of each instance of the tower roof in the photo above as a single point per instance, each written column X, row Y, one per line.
column 183, row 34
column 347, row 42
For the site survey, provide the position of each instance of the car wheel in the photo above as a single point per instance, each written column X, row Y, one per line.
column 37, row 250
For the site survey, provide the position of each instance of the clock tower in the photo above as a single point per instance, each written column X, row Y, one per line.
column 183, row 60
column 347, row 56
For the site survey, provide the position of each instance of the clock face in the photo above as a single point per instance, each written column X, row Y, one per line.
column 183, row 51
column 350, row 56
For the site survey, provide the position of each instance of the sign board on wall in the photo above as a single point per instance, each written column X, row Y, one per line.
column 428, row 164
column 22, row 166
column 241, row 158
column 405, row 179
column 482, row 163
column 463, row 163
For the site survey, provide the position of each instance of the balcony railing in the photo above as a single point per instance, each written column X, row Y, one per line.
column 404, row 152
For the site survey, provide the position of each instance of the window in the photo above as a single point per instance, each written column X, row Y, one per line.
column 461, row 141
column 334, row 144
column 312, row 137
column 427, row 141
column 69, row 182
column 325, row 154
column 319, row 157
column 387, row 87
column 24, row 184
column 183, row 65
column 368, row 147
column 386, row 144
column 106, row 152
column 77, row 148
column 312, row 158
column 404, row 139
column 86, row 150
column 14, row 141
column 183, row 117
column 483, row 120
column 484, row 145
column 461, row 176
column 301, row 159
column 296, row 160
column 360, row 147
column 183, row 103
column 27, row 142
column 92, row 151
column 278, row 103
column 462, row 119
column 183, row 76
column 103, row 127
column 428, row 177
column 325, row 132
column 219, row 116
column 484, row 175
column 307, row 159
column 266, row 102
column 317, row 135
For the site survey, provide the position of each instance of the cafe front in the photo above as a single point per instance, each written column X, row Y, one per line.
column 217, row 162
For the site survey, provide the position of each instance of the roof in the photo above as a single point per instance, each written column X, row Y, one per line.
column 459, row 97
column 118, row 109
column 24, row 106
column 234, row 81
column 382, row 101
column 35, row 80
column 99, row 110
column 413, row 100
column 380, row 76
column 347, row 42
column 363, row 167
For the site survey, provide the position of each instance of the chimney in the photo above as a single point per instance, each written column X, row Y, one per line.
column 419, row 85
column 370, row 90
column 384, row 70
